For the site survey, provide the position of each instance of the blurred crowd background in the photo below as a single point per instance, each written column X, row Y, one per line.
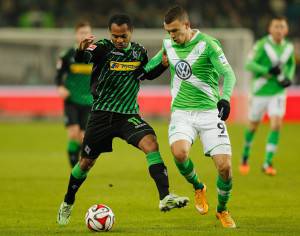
column 57, row 15
column 252, row 14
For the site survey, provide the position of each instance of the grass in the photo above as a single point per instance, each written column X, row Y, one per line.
column 34, row 174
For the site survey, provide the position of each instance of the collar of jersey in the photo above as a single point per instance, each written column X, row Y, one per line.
column 124, row 49
column 273, row 41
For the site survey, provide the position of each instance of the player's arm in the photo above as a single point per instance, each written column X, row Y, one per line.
column 220, row 63
column 88, row 51
column 153, row 68
column 253, row 62
column 289, row 71
column 62, row 68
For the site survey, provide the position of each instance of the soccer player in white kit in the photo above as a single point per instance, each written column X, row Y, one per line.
column 272, row 63
column 196, row 62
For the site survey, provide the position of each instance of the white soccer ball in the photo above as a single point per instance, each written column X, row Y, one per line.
column 99, row 218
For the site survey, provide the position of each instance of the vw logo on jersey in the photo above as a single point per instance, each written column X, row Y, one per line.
column 183, row 70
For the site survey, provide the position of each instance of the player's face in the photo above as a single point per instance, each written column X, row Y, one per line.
column 178, row 30
column 120, row 35
column 82, row 33
column 278, row 29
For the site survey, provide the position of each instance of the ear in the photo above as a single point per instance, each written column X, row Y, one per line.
column 187, row 25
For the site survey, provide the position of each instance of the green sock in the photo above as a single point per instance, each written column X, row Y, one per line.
column 77, row 177
column 248, row 141
column 159, row 173
column 78, row 173
column 271, row 146
column 154, row 158
column 73, row 151
column 186, row 168
column 73, row 146
column 224, row 188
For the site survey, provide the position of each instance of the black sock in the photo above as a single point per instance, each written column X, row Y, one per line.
column 73, row 187
column 160, row 175
column 73, row 158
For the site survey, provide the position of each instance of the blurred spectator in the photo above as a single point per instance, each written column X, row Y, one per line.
column 253, row 14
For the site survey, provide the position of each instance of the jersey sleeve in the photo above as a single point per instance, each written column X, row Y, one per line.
column 220, row 63
column 154, row 61
column 92, row 54
column 62, row 68
column 252, row 63
column 145, row 58
column 290, row 67
column 154, row 68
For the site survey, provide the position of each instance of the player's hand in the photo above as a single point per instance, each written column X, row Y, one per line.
column 275, row 70
column 285, row 83
column 224, row 109
column 84, row 44
column 164, row 60
column 63, row 92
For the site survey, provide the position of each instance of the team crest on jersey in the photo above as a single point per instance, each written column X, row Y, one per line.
column 223, row 59
column 183, row 70
column 135, row 54
column 124, row 65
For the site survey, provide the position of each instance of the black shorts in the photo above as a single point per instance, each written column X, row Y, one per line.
column 76, row 114
column 103, row 126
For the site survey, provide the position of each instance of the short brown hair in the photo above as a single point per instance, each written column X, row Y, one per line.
column 176, row 13
column 280, row 18
column 82, row 24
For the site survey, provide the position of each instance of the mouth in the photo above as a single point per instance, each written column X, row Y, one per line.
column 120, row 45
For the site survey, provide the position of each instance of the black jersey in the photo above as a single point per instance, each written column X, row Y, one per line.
column 75, row 77
column 114, row 82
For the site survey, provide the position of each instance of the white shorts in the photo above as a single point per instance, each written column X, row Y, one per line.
column 273, row 105
column 187, row 125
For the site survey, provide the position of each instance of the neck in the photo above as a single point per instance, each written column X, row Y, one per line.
column 189, row 35
column 277, row 41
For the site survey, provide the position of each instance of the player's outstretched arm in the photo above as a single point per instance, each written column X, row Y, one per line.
column 154, row 68
column 81, row 56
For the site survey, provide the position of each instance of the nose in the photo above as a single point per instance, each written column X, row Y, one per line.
column 119, row 40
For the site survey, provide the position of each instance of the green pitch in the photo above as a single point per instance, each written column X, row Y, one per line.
column 34, row 173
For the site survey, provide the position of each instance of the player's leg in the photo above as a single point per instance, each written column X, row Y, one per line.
column 271, row 145
column 216, row 144
column 181, row 137
column 74, row 143
column 97, row 139
column 224, row 186
column 249, row 135
column 276, row 111
column 157, row 169
column 73, row 129
column 141, row 135
column 257, row 108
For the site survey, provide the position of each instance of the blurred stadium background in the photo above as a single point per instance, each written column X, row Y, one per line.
column 33, row 33
column 34, row 169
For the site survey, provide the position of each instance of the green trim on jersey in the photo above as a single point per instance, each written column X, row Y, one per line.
column 195, row 69
column 117, row 87
column 265, row 55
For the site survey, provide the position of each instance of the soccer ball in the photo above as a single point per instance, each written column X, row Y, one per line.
column 99, row 218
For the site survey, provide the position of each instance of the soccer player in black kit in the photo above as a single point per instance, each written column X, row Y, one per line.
column 73, row 80
column 115, row 84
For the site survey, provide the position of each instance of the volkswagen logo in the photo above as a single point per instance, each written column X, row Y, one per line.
column 183, row 70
